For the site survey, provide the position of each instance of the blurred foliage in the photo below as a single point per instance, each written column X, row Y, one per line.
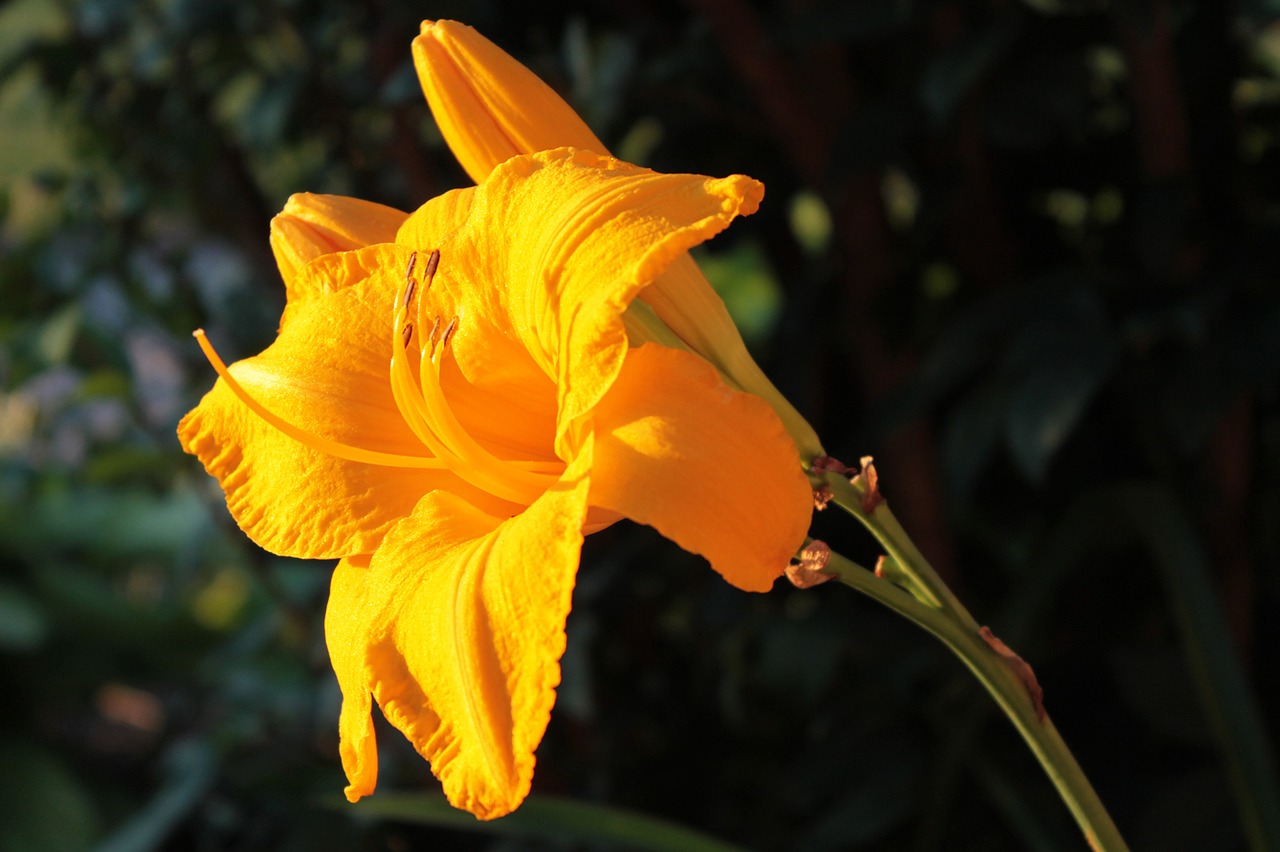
column 1024, row 253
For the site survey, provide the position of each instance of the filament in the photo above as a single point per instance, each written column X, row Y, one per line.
column 423, row 407
column 457, row 450
column 316, row 442
column 446, row 425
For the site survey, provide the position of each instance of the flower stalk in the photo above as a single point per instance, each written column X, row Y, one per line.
column 911, row 588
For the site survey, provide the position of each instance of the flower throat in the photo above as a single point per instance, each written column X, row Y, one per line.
column 423, row 406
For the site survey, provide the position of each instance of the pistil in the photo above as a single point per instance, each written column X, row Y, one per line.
column 315, row 442
column 446, row 425
column 429, row 416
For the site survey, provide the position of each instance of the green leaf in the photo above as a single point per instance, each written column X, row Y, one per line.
column 1156, row 683
column 1066, row 7
column 1045, row 404
column 971, row 432
column 189, row 772
column 267, row 115
column 1038, row 101
column 1186, row 812
column 840, row 19
column 58, row 334
column 23, row 624
column 1061, row 353
column 113, row 522
column 45, row 807
column 949, row 78
column 875, row 798
column 1230, row 705
column 750, row 291
column 545, row 817
column 810, row 221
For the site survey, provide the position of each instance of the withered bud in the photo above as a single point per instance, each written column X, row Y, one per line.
column 808, row 571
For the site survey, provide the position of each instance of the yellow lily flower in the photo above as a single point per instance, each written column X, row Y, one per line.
column 449, row 408
column 491, row 108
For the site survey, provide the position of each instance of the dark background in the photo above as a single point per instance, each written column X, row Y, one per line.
column 1025, row 254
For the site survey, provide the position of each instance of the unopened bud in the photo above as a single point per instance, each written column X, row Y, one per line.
column 490, row 107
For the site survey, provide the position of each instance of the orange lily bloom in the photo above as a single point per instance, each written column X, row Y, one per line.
column 452, row 403
column 491, row 108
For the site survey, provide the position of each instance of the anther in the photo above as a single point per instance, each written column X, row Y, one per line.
column 448, row 332
column 408, row 290
column 413, row 259
column 433, row 260
column 406, row 334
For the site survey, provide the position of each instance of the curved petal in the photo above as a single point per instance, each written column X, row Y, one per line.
column 312, row 225
column 683, row 299
column 333, row 271
column 501, row 395
column 466, row 616
column 344, row 629
column 710, row 468
column 326, row 374
column 490, row 107
column 592, row 232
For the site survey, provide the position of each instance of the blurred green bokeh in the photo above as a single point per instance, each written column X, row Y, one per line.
column 1026, row 254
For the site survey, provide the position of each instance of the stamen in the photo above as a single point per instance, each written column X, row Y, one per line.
column 409, row 403
column 433, row 337
column 316, row 442
column 427, row 413
column 411, row 283
column 416, row 414
column 446, row 425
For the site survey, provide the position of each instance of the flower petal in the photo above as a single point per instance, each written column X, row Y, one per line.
column 490, row 107
column 311, row 225
column 593, row 231
column 710, row 468
column 344, row 628
column 502, row 397
column 466, row 618
column 326, row 373
column 683, row 299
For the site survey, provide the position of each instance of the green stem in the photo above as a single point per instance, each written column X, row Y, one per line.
column 1228, row 700
column 924, row 599
column 921, row 580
